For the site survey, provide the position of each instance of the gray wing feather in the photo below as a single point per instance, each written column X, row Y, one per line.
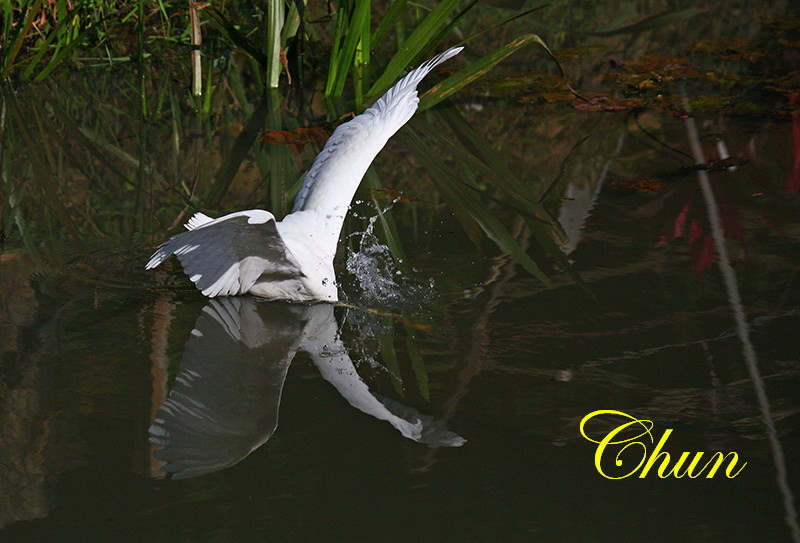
column 228, row 257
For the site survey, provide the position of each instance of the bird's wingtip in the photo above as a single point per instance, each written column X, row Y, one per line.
column 197, row 220
column 431, row 63
column 157, row 258
column 448, row 54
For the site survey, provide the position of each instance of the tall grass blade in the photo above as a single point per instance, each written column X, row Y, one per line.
column 397, row 8
column 433, row 44
column 21, row 33
column 87, row 139
column 42, row 173
column 505, row 178
column 197, row 41
column 413, row 47
column 353, row 31
column 389, row 358
column 654, row 21
column 491, row 29
column 474, row 71
column 474, row 206
column 293, row 20
column 504, row 192
column 11, row 196
column 361, row 61
column 242, row 146
column 61, row 31
column 481, row 67
column 232, row 34
column 336, row 48
column 62, row 55
column 387, row 223
column 417, row 364
column 522, row 197
column 276, row 14
column 143, row 132
column 280, row 165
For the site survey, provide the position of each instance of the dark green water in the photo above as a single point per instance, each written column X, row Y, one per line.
column 260, row 411
column 509, row 366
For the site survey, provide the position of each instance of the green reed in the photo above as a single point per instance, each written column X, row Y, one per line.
column 152, row 194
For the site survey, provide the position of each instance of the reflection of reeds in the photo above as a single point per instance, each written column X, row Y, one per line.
column 45, row 168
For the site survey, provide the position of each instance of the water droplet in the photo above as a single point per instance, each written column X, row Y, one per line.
column 374, row 269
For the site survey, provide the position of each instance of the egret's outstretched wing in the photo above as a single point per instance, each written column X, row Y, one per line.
column 226, row 256
column 336, row 173
column 247, row 251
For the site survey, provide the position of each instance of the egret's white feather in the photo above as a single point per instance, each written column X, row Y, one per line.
column 198, row 219
column 250, row 252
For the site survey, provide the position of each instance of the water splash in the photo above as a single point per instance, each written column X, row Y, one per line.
column 377, row 282
column 364, row 333
column 377, row 277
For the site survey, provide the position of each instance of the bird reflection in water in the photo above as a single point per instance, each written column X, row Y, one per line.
column 225, row 399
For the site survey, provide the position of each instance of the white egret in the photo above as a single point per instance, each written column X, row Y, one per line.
column 251, row 252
